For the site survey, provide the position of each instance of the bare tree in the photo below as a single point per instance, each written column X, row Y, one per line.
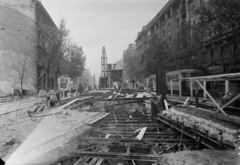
column 51, row 48
column 19, row 67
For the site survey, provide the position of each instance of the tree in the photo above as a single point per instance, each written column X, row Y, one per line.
column 51, row 58
column 18, row 65
column 220, row 21
column 74, row 59
column 133, row 67
column 188, row 47
column 156, row 53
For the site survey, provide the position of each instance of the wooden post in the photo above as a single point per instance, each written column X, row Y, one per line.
column 171, row 86
column 205, row 87
column 161, row 82
column 226, row 87
column 212, row 98
column 180, row 88
column 196, row 96
column 153, row 111
column 191, row 88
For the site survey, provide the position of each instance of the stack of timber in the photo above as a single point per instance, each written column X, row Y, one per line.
column 225, row 133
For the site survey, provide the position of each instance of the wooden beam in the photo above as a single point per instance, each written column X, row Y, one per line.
column 141, row 133
column 131, row 133
column 226, row 87
column 125, row 121
column 205, row 87
column 129, row 140
column 134, row 125
column 191, row 88
column 114, row 155
column 171, row 87
column 211, row 98
column 180, row 88
column 229, row 102
column 117, row 99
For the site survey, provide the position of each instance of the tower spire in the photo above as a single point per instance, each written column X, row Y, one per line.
column 104, row 63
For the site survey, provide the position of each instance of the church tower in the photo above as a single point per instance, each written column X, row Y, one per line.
column 104, row 63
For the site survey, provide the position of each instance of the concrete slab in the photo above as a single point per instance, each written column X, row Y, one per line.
column 53, row 137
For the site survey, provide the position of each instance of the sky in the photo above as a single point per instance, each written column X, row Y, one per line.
column 97, row 23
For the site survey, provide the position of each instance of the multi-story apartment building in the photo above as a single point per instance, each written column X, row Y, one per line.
column 22, row 27
column 168, row 22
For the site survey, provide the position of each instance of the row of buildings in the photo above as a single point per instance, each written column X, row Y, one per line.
column 166, row 25
column 25, row 25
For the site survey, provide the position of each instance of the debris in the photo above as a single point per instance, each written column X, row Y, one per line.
column 10, row 141
column 34, row 109
column 141, row 133
column 41, row 108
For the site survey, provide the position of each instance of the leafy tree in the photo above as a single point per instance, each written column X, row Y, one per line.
column 155, row 54
column 51, row 48
column 220, row 20
column 74, row 60
column 133, row 69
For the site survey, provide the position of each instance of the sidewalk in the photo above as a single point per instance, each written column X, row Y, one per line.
column 17, row 105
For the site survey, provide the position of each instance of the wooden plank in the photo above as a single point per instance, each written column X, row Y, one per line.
column 230, row 102
column 191, row 88
column 205, row 87
column 226, row 87
column 141, row 133
column 129, row 140
column 131, row 133
column 180, row 88
column 97, row 119
column 215, row 103
column 134, row 125
column 113, row 155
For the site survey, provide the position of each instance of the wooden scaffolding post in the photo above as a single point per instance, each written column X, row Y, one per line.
column 211, row 98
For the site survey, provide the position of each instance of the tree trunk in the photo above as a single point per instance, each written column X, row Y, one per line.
column 21, row 88
column 55, row 81
column 47, row 80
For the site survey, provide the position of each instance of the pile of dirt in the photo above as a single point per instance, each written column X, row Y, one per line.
column 200, row 120
column 204, row 157
column 233, row 123
column 14, row 128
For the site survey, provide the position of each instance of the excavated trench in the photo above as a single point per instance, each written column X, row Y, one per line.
column 112, row 140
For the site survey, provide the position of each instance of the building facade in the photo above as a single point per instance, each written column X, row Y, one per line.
column 166, row 25
column 20, row 27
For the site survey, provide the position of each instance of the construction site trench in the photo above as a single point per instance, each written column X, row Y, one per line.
column 132, row 131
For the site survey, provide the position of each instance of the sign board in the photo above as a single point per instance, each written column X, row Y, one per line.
column 63, row 85
column 214, row 68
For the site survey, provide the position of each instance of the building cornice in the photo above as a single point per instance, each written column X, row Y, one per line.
column 44, row 11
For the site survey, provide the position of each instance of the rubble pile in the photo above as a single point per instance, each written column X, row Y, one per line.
column 220, row 132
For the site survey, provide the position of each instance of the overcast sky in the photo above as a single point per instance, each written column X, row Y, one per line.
column 97, row 23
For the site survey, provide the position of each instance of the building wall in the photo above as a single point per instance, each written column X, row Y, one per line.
column 45, row 28
column 23, row 23
column 18, row 36
column 169, row 20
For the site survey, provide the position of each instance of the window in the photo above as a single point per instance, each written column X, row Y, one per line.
column 178, row 22
column 211, row 54
column 222, row 52
column 149, row 33
column 169, row 26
